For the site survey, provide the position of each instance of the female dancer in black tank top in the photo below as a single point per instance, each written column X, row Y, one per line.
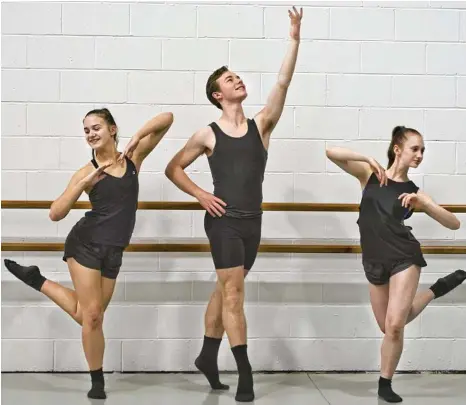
column 392, row 256
column 94, row 247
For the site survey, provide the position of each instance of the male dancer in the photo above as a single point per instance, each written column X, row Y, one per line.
column 236, row 148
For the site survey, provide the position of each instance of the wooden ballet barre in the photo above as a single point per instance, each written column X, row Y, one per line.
column 193, row 205
column 202, row 247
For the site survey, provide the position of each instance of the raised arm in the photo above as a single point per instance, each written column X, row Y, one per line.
column 268, row 117
column 359, row 166
column 146, row 139
column 195, row 147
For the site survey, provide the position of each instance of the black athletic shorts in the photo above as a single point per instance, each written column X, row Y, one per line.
column 233, row 242
column 380, row 273
column 96, row 256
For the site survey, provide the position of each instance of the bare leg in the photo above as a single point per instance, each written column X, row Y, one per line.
column 234, row 320
column 402, row 290
column 67, row 298
column 441, row 287
column 207, row 361
column 379, row 302
column 64, row 297
column 90, row 286
column 421, row 300
column 213, row 316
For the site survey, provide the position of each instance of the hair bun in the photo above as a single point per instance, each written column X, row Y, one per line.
column 398, row 129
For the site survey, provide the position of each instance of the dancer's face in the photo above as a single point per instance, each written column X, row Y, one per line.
column 232, row 88
column 98, row 132
column 411, row 153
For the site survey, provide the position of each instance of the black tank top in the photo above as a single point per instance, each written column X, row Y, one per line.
column 238, row 166
column 384, row 236
column 114, row 203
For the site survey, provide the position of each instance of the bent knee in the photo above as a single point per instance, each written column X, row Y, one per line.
column 394, row 328
column 93, row 315
column 233, row 298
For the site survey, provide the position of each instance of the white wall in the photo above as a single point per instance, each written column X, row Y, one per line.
column 363, row 68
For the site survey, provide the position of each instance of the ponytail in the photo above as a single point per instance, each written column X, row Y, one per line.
column 399, row 135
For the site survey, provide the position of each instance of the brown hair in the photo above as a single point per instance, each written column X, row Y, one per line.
column 107, row 116
column 398, row 137
column 212, row 85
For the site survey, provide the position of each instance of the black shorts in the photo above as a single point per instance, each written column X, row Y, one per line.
column 380, row 273
column 96, row 256
column 233, row 242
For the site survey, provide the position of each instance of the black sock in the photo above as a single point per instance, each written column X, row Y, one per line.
column 28, row 275
column 386, row 392
column 445, row 284
column 206, row 362
column 245, row 391
column 98, row 385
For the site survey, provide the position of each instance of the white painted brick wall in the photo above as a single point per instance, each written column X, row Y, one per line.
column 16, row 122
column 156, row 20
column 393, row 57
column 358, row 90
column 128, row 53
column 14, row 52
column 427, row 25
column 363, row 68
column 194, row 54
column 93, row 86
column 424, row 91
column 57, row 52
column 30, row 85
column 91, row 19
column 230, row 22
column 329, row 56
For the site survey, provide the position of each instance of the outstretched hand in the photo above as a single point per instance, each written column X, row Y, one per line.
column 295, row 18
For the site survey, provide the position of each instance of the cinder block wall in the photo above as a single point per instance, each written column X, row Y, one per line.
column 363, row 68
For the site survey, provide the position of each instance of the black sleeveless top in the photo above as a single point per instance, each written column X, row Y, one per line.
column 238, row 166
column 114, row 203
column 384, row 236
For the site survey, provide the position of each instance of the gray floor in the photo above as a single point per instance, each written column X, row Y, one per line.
column 271, row 389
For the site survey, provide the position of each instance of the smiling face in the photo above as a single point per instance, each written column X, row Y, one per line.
column 224, row 87
column 98, row 132
column 231, row 88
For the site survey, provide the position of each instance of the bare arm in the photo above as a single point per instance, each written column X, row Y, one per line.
column 195, row 147
column 146, row 139
column 268, row 117
column 356, row 164
column 424, row 202
column 83, row 180
column 63, row 204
